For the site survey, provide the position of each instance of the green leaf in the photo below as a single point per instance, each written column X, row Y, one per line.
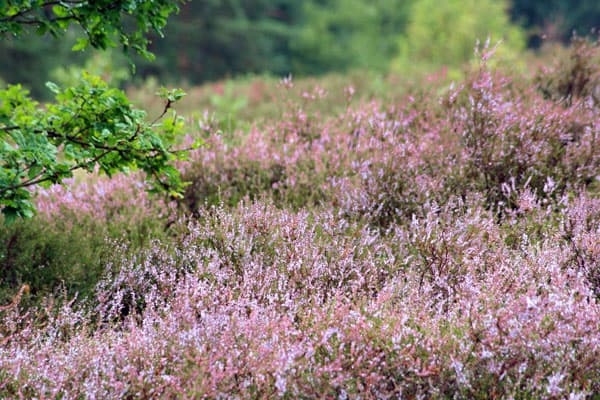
column 60, row 11
column 26, row 213
column 10, row 214
column 81, row 44
column 41, row 29
column 172, row 95
column 35, row 170
column 198, row 143
column 53, row 87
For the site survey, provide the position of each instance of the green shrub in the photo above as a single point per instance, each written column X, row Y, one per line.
column 68, row 252
column 50, row 255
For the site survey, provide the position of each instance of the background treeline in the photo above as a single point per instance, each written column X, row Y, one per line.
column 214, row 39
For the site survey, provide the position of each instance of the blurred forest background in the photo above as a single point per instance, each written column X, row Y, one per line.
column 215, row 39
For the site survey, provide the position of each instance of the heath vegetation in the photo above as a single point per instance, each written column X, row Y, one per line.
column 339, row 238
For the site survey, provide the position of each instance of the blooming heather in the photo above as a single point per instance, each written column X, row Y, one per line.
column 444, row 245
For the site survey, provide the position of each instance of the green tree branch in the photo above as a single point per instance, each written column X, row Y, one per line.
column 89, row 125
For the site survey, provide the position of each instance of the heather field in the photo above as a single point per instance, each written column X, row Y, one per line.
column 347, row 237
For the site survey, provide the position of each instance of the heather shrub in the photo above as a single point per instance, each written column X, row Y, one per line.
column 256, row 250
column 67, row 246
column 261, row 302
column 117, row 201
column 383, row 163
column 245, row 180
column 549, row 149
column 283, row 161
column 574, row 75
column 50, row 257
column 580, row 229
column 394, row 161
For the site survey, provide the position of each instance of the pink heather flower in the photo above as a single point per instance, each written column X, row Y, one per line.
column 553, row 388
column 280, row 384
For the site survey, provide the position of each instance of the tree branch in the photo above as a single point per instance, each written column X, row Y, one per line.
column 40, row 178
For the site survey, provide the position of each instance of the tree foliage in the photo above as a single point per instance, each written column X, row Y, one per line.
column 445, row 33
column 89, row 125
column 211, row 39
column 556, row 19
column 104, row 22
column 338, row 35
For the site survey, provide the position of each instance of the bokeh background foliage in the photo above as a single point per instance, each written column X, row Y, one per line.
column 212, row 39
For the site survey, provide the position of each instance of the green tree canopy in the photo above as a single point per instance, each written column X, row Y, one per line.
column 556, row 19
column 445, row 32
column 212, row 39
column 88, row 125
column 104, row 22
column 338, row 35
